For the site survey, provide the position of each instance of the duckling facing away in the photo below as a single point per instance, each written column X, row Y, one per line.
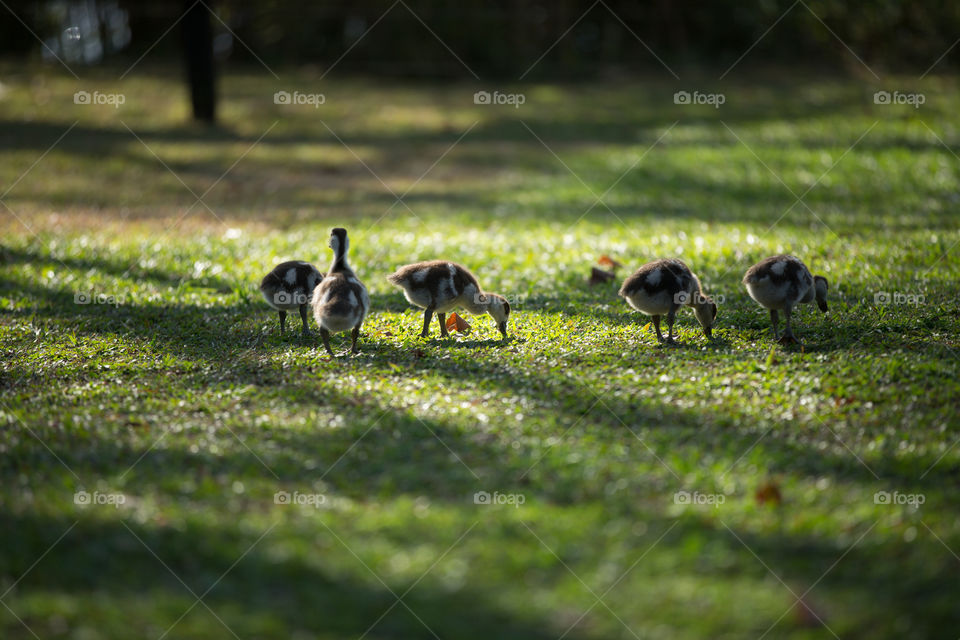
column 340, row 301
column 440, row 286
column 661, row 287
column 780, row 283
column 288, row 287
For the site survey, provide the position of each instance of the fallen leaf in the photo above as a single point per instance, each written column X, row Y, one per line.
column 768, row 492
column 599, row 276
column 608, row 262
column 806, row 615
column 456, row 323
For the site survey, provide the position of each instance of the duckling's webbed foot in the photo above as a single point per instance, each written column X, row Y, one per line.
column 442, row 319
column 303, row 318
column 325, row 336
column 788, row 338
column 671, row 316
column 775, row 320
column 353, row 343
column 656, row 325
column 427, row 314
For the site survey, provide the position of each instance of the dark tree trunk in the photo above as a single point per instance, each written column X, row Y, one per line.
column 198, row 52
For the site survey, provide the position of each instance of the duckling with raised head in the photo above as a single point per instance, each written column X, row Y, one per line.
column 779, row 283
column 288, row 287
column 661, row 287
column 439, row 286
column 340, row 301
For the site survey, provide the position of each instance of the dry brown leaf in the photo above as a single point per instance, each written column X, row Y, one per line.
column 608, row 262
column 599, row 276
column 456, row 323
column 768, row 492
column 805, row 615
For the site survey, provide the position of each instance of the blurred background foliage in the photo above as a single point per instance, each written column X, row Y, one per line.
column 502, row 38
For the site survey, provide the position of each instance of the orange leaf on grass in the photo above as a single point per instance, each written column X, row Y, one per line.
column 608, row 262
column 456, row 323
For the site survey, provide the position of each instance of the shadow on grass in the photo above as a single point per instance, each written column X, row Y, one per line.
column 253, row 585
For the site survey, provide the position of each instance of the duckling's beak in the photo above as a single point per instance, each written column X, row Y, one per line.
column 503, row 329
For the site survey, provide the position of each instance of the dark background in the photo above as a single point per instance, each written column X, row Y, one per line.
column 502, row 39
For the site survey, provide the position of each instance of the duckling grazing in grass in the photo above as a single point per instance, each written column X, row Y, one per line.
column 780, row 283
column 340, row 301
column 662, row 287
column 438, row 286
column 289, row 286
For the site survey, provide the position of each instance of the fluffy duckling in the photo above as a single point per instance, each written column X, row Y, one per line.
column 440, row 286
column 340, row 301
column 288, row 287
column 779, row 283
column 661, row 287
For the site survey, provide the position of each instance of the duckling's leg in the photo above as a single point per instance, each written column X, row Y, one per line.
column 788, row 336
column 671, row 316
column 303, row 318
column 775, row 319
column 354, row 336
column 283, row 320
column 325, row 336
column 442, row 319
column 656, row 325
column 427, row 314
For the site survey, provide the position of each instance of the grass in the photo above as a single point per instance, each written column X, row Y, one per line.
column 173, row 389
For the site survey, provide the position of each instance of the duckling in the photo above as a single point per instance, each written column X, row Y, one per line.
column 661, row 287
column 340, row 301
column 289, row 286
column 440, row 286
column 782, row 282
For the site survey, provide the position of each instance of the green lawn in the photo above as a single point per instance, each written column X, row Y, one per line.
column 173, row 393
